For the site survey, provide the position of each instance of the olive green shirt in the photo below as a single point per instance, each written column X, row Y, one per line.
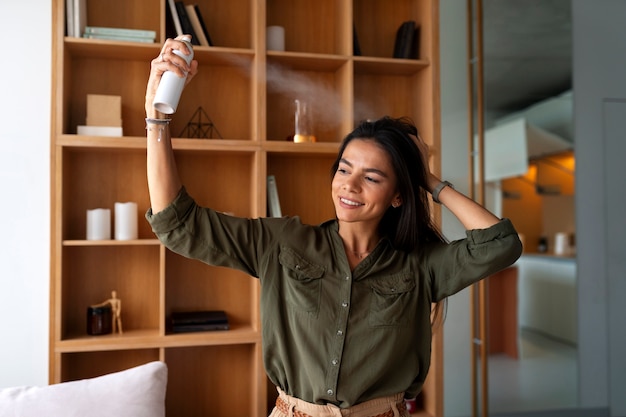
column 332, row 335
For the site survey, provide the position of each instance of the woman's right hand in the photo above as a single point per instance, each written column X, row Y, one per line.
column 168, row 61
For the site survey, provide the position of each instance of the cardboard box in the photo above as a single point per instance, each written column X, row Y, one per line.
column 104, row 110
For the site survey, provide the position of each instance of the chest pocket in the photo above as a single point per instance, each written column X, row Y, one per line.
column 303, row 284
column 393, row 300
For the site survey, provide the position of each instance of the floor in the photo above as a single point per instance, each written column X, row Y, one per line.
column 543, row 378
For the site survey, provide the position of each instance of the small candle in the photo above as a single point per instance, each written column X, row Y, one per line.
column 98, row 224
column 125, row 221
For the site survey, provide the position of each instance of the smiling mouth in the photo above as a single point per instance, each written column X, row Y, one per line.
column 350, row 202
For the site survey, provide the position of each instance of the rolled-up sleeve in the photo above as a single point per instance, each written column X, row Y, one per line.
column 454, row 266
column 207, row 235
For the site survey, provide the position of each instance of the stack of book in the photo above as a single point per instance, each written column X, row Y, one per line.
column 197, row 321
column 120, row 34
column 187, row 20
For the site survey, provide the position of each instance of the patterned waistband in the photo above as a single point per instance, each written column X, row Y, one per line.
column 387, row 407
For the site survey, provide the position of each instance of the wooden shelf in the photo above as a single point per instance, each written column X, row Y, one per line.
column 248, row 94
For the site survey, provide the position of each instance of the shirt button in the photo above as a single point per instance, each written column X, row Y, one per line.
column 344, row 304
column 347, row 278
column 339, row 332
column 335, row 362
column 330, row 392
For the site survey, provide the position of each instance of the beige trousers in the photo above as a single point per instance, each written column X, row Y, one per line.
column 288, row 406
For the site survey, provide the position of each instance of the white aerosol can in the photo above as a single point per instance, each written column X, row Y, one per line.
column 171, row 85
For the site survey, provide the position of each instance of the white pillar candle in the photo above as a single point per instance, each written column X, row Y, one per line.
column 99, row 224
column 275, row 38
column 561, row 244
column 125, row 221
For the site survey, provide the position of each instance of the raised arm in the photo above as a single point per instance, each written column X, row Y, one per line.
column 163, row 180
column 471, row 214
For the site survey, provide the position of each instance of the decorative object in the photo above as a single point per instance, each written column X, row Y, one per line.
column 275, row 38
column 115, row 304
column 303, row 122
column 104, row 116
column 126, row 221
column 99, row 320
column 99, row 224
column 200, row 126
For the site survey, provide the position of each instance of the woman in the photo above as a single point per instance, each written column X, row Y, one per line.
column 345, row 305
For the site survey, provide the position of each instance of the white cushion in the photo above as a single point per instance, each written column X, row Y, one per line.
column 136, row 392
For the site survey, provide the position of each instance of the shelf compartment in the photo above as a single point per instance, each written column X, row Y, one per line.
column 226, row 117
column 201, row 381
column 121, row 77
column 326, row 91
column 128, row 15
column 229, row 23
column 395, row 96
column 315, row 27
column 98, row 178
column 209, row 177
column 83, row 365
column 377, row 22
column 89, row 274
column 191, row 285
column 303, row 183
column 122, row 70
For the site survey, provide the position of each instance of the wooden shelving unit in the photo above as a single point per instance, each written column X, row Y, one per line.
column 248, row 93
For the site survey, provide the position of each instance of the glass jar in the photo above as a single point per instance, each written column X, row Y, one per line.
column 99, row 320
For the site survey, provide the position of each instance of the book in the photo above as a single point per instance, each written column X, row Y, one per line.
column 273, row 203
column 76, row 17
column 194, row 321
column 175, row 19
column 356, row 47
column 203, row 24
column 135, row 33
column 404, row 40
column 195, row 22
column 415, row 47
column 185, row 23
column 118, row 38
column 69, row 17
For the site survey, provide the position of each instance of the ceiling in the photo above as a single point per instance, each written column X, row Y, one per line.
column 527, row 52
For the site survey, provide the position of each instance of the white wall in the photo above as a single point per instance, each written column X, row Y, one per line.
column 24, row 181
column 599, row 125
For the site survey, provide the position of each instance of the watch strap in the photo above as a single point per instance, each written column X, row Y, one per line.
column 438, row 189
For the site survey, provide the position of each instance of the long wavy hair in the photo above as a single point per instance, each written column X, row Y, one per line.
column 410, row 226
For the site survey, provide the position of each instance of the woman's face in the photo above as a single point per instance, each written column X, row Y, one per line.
column 365, row 184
